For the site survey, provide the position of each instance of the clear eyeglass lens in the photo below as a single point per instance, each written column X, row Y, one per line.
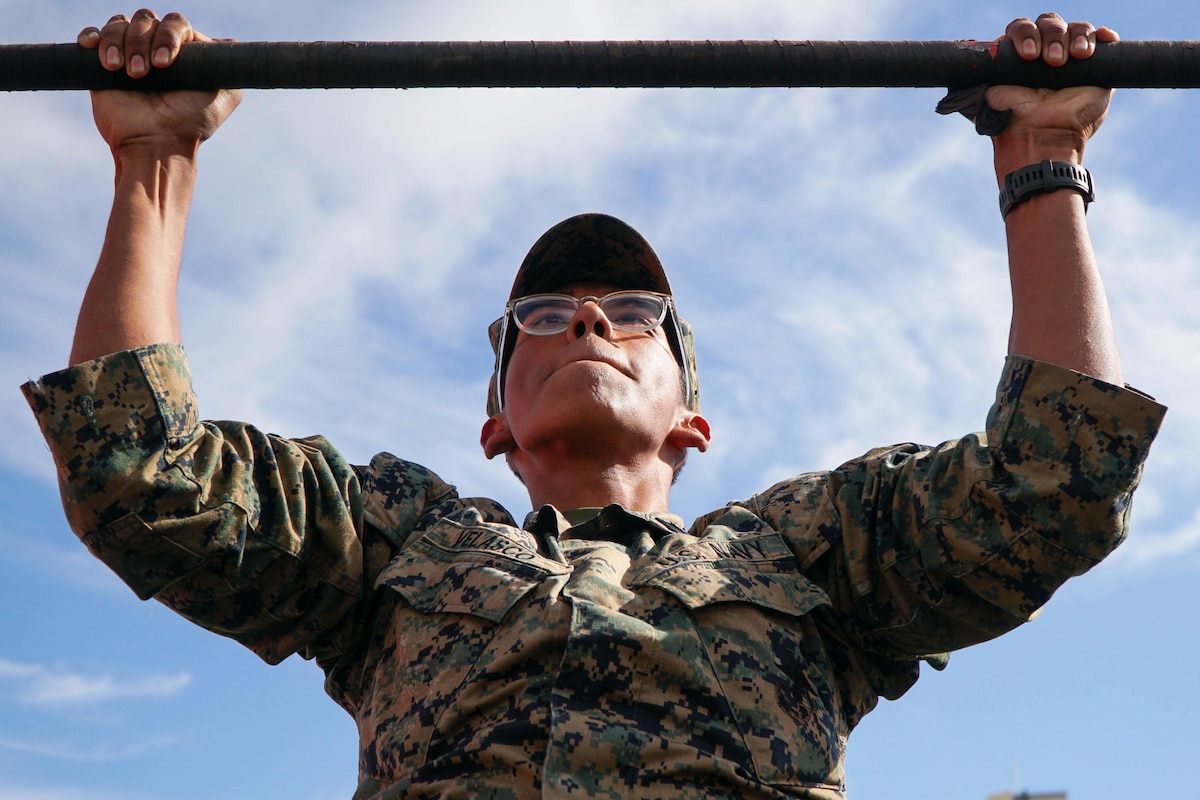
column 634, row 311
column 545, row 313
column 627, row 311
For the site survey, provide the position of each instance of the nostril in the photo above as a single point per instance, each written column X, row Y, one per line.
column 580, row 329
column 598, row 327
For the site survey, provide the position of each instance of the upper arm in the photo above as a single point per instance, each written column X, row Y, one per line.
column 925, row 550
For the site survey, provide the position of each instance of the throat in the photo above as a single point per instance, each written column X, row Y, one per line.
column 582, row 480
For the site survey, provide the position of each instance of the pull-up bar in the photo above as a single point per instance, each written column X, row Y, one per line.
column 683, row 64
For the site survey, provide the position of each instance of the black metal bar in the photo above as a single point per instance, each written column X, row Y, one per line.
column 410, row 65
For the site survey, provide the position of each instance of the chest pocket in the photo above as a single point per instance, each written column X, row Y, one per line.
column 751, row 607
column 436, row 577
column 444, row 596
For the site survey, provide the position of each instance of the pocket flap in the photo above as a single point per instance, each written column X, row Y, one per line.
column 759, row 569
column 464, row 586
column 452, row 569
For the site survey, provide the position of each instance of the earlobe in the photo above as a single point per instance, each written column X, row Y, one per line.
column 495, row 438
column 691, row 431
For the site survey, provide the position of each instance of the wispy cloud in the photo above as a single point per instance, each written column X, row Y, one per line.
column 91, row 752
column 1148, row 550
column 839, row 252
column 61, row 688
column 13, row 669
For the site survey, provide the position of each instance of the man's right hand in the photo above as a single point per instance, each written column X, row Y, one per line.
column 171, row 122
column 154, row 138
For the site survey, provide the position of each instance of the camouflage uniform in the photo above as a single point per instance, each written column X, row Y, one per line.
column 595, row 653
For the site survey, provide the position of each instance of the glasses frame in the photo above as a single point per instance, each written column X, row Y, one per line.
column 511, row 309
column 509, row 321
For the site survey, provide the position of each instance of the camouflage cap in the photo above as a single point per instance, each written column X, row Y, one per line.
column 590, row 248
column 593, row 249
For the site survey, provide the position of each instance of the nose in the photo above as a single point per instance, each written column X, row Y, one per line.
column 589, row 319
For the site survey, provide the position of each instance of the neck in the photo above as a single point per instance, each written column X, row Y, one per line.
column 581, row 482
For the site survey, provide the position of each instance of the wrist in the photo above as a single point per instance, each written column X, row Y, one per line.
column 1013, row 150
column 156, row 163
column 156, row 150
column 1045, row 177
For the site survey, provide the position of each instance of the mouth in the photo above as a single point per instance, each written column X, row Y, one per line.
column 592, row 357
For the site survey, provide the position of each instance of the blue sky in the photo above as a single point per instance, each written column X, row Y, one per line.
column 838, row 251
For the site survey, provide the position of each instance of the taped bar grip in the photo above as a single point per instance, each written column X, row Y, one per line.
column 651, row 64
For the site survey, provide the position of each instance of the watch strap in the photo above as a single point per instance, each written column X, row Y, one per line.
column 1042, row 178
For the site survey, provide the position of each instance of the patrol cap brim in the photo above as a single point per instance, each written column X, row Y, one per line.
column 590, row 249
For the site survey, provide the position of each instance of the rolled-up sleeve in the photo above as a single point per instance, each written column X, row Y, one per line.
column 250, row 535
column 926, row 550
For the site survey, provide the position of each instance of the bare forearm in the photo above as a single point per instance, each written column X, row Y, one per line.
column 154, row 138
column 1060, row 310
column 131, row 300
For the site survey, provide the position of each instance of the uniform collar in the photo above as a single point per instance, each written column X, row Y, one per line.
column 613, row 523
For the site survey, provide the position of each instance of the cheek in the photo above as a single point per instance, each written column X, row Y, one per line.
column 527, row 399
column 662, row 377
column 518, row 376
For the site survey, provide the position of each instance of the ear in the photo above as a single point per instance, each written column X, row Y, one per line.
column 691, row 430
column 495, row 438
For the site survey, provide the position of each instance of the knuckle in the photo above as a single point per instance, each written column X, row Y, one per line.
column 173, row 30
column 1022, row 27
column 141, row 28
column 1052, row 24
column 112, row 35
column 165, row 40
column 115, row 27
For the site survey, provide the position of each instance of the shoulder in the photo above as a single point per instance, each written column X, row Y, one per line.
column 402, row 498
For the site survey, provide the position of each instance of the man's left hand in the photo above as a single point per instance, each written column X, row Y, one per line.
column 1063, row 118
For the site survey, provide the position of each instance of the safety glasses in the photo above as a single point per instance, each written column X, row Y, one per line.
column 548, row 314
column 630, row 311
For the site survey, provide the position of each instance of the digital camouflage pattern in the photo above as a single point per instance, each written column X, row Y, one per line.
column 595, row 653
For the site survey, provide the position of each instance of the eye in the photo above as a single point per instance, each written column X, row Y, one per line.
column 546, row 317
column 634, row 312
column 545, row 314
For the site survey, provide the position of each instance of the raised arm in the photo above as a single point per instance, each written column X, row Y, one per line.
column 154, row 139
column 1060, row 312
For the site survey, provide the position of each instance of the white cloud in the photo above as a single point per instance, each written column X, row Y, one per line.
column 13, row 669
column 365, row 237
column 1152, row 549
column 92, row 752
column 39, row 552
column 628, row 19
column 347, row 248
column 59, row 688
column 839, row 252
